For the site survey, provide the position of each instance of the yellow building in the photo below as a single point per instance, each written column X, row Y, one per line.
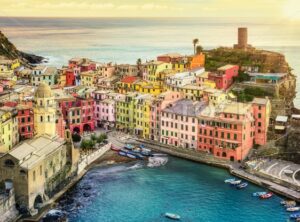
column 44, row 111
column 8, row 129
column 215, row 96
column 62, row 79
column 180, row 67
column 154, row 69
column 89, row 78
column 202, row 80
column 142, row 108
column 148, row 88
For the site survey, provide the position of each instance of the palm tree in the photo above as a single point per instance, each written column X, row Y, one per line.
column 199, row 49
column 195, row 42
column 139, row 63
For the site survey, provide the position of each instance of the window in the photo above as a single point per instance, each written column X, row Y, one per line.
column 33, row 176
column 41, row 118
column 235, row 137
column 228, row 136
column 259, row 123
column 259, row 115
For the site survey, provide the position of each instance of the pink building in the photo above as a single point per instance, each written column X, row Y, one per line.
column 160, row 103
column 227, row 131
column 179, row 124
column 261, row 113
column 104, row 110
column 224, row 76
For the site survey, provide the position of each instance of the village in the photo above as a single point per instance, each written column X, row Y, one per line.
column 188, row 104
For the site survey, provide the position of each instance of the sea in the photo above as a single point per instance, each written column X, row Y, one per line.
column 135, row 192
column 124, row 40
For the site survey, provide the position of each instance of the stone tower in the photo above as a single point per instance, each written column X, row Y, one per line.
column 44, row 111
column 242, row 39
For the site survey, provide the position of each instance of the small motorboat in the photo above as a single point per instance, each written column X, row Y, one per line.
column 295, row 216
column 122, row 153
column 114, row 148
column 293, row 209
column 257, row 194
column 266, row 196
column 242, row 186
column 235, row 182
column 131, row 156
column 172, row 216
column 128, row 146
column 229, row 180
column 289, row 203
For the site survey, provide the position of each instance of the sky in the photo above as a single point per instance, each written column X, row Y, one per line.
column 274, row 9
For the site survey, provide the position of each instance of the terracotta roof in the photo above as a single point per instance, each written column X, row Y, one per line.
column 129, row 79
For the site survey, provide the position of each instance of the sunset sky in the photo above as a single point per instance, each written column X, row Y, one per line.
column 279, row 9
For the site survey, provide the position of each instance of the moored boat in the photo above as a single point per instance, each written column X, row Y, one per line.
column 122, row 153
column 295, row 216
column 266, row 196
column 229, row 180
column 235, row 182
column 257, row 194
column 242, row 186
column 293, row 209
column 172, row 216
column 128, row 146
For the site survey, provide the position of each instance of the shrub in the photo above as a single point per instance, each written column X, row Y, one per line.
column 76, row 137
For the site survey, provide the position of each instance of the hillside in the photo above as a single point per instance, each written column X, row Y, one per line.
column 8, row 50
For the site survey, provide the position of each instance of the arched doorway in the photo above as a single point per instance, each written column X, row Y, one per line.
column 38, row 202
column 224, row 154
column 232, row 158
column 86, row 128
column 76, row 130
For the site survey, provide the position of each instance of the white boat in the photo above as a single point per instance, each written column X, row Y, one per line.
column 172, row 216
column 235, row 182
column 229, row 180
column 293, row 209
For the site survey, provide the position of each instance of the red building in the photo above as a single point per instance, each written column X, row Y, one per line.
column 78, row 114
column 70, row 77
column 170, row 58
column 224, row 76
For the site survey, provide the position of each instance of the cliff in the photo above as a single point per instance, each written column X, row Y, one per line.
column 8, row 50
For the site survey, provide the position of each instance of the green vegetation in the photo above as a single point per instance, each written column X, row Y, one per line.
column 242, row 77
column 88, row 144
column 248, row 94
column 76, row 138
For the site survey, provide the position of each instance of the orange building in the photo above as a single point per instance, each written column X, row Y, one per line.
column 198, row 61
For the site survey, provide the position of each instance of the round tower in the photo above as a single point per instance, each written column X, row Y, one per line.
column 44, row 111
column 242, row 37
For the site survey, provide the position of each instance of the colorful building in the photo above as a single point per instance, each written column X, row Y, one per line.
column 184, row 78
column 170, row 58
column 197, row 61
column 179, row 124
column 9, row 135
column 224, row 76
column 153, row 70
column 89, row 78
column 126, row 84
column 158, row 104
column 261, row 113
column 25, row 121
column 226, row 130
column 44, row 74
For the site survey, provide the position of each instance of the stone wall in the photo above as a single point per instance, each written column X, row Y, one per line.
column 8, row 210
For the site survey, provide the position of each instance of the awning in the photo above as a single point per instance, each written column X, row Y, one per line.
column 280, row 127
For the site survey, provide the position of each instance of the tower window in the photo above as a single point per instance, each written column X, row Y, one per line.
column 48, row 118
column 41, row 118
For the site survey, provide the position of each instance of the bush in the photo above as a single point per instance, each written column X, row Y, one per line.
column 93, row 137
column 76, row 138
column 87, row 144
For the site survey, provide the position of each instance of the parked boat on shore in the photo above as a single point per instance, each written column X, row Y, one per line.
column 114, row 148
column 266, row 196
column 172, row 216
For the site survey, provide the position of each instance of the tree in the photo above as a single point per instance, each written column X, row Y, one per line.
column 76, row 137
column 195, row 42
column 199, row 49
column 139, row 64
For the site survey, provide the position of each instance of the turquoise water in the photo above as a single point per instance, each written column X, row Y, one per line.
column 134, row 192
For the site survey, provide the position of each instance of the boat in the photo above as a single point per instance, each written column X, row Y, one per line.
column 114, row 148
column 242, row 185
column 295, row 216
column 289, row 203
column 257, row 194
column 235, row 182
column 146, row 152
column 128, row 146
column 172, row 216
column 159, row 154
column 293, row 209
column 131, row 156
column 122, row 153
column 266, row 196
column 229, row 180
